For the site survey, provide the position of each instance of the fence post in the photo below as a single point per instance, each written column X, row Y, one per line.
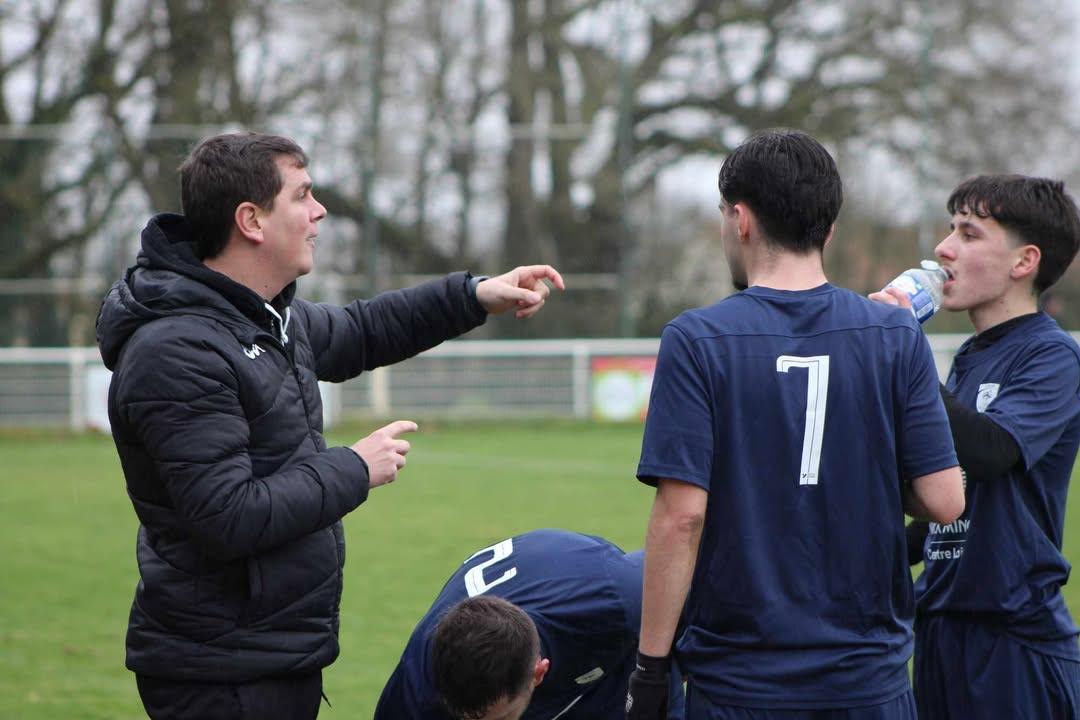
column 77, row 390
column 330, row 393
column 581, row 380
column 380, row 391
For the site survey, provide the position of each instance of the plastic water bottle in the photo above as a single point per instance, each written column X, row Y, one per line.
column 924, row 287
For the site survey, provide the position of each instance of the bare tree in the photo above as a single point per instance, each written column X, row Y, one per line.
column 481, row 132
column 702, row 75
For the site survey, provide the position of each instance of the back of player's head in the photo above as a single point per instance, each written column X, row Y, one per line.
column 1035, row 211
column 484, row 649
column 790, row 182
column 224, row 171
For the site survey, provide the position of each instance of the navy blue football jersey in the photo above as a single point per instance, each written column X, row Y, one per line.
column 584, row 595
column 802, row 413
column 1001, row 561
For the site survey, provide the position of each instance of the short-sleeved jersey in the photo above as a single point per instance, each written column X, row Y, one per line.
column 1001, row 561
column 582, row 592
column 802, row 413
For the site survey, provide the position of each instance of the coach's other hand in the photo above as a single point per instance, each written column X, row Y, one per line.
column 384, row 452
column 523, row 288
column 647, row 696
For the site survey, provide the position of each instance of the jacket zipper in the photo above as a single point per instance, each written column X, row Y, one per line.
column 299, row 384
column 335, row 608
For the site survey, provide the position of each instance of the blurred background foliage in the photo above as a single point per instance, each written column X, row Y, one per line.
column 485, row 133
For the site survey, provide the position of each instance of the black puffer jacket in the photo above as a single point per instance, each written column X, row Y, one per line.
column 217, row 418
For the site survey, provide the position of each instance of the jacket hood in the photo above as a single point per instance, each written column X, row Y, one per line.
column 168, row 279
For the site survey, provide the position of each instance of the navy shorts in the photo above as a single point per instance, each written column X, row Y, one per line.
column 900, row 708
column 968, row 671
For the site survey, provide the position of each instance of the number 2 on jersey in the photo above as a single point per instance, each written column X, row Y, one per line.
column 817, row 394
column 475, row 584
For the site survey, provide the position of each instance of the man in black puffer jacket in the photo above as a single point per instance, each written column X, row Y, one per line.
column 217, row 418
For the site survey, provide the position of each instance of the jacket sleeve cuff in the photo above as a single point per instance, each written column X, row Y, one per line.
column 356, row 469
column 471, row 281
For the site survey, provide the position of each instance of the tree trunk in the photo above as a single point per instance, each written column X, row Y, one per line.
column 521, row 227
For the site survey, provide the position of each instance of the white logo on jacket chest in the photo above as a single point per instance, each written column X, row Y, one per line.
column 254, row 351
column 987, row 393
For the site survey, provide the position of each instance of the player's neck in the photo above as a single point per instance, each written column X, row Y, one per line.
column 787, row 271
column 1002, row 309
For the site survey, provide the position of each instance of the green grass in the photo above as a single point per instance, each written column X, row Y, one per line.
column 67, row 549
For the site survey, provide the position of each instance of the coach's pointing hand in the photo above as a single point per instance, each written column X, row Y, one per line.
column 384, row 452
column 522, row 287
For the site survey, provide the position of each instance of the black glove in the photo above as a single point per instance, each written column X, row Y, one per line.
column 647, row 696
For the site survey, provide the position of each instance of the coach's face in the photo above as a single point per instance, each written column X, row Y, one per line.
column 291, row 225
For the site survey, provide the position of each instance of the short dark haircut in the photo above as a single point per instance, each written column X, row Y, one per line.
column 790, row 182
column 1036, row 211
column 224, row 171
column 484, row 649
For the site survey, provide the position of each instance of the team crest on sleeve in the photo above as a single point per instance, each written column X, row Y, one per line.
column 987, row 393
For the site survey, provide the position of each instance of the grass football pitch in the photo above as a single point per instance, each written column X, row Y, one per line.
column 67, row 549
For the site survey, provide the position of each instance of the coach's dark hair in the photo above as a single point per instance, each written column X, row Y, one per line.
column 1036, row 211
column 790, row 182
column 224, row 171
column 484, row 649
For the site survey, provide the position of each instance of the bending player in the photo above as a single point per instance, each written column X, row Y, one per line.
column 539, row 626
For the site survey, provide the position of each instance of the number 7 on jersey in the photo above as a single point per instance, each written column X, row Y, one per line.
column 817, row 394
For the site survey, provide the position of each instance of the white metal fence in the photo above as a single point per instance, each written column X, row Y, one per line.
column 605, row 379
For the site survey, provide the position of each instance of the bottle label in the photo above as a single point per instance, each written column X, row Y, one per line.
column 922, row 305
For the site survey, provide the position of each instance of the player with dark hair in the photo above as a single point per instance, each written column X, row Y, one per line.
column 486, row 653
column 789, row 427
column 539, row 626
column 215, row 410
column 993, row 636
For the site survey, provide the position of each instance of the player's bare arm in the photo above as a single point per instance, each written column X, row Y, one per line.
column 938, row 496
column 671, row 548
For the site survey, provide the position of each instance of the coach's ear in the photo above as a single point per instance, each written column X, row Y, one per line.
column 540, row 670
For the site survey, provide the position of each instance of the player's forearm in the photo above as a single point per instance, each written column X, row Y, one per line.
column 938, row 496
column 671, row 548
column 913, row 506
column 985, row 449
